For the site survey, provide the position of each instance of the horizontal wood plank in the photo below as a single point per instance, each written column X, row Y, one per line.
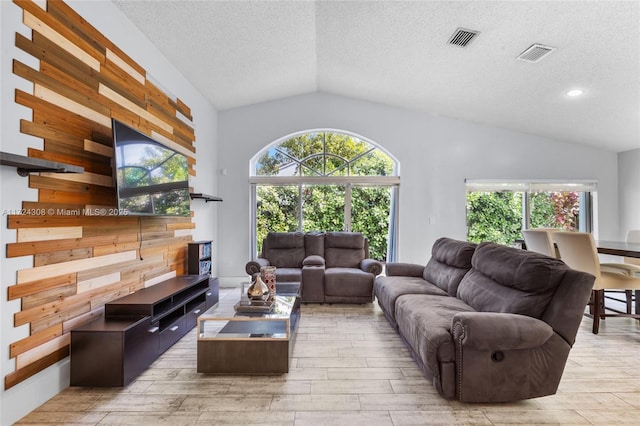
column 125, row 66
column 41, row 272
column 62, row 256
column 86, row 177
column 158, row 279
column 184, row 109
column 58, row 317
column 97, row 282
column 70, row 105
column 124, row 84
column 12, row 379
column 115, row 248
column 43, row 350
column 20, row 221
column 121, row 100
column 32, row 248
column 81, row 319
column 44, row 234
column 23, row 345
column 66, row 197
column 25, row 289
column 98, row 148
column 47, row 296
column 186, row 225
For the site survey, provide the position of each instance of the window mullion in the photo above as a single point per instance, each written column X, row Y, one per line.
column 526, row 210
column 300, row 207
column 347, row 207
column 253, row 221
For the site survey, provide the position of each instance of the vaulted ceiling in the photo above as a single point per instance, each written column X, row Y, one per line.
column 238, row 53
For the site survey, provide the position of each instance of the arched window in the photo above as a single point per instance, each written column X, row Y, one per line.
column 326, row 180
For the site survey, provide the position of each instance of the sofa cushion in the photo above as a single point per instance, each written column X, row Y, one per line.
column 314, row 243
column 288, row 275
column 505, row 279
column 450, row 261
column 347, row 282
column 388, row 289
column 284, row 249
column 425, row 323
column 343, row 249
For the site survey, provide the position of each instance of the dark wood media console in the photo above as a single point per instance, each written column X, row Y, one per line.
column 136, row 329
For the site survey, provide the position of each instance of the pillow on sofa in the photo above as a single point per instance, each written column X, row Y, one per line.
column 505, row 279
column 450, row 261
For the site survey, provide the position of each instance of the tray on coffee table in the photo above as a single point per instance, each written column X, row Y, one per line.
column 259, row 306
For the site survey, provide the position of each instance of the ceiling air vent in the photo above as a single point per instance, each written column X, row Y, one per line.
column 462, row 37
column 535, row 52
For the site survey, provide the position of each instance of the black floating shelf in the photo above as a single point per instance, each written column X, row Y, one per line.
column 26, row 165
column 205, row 197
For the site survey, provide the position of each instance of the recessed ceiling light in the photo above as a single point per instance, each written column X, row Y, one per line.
column 575, row 92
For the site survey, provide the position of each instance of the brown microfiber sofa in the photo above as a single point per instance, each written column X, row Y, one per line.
column 332, row 267
column 486, row 323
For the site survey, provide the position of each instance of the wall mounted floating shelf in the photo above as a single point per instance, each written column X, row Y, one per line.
column 26, row 165
column 205, row 197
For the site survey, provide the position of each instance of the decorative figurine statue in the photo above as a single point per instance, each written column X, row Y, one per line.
column 258, row 290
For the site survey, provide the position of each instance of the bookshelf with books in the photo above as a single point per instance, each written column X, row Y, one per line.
column 200, row 255
column 200, row 258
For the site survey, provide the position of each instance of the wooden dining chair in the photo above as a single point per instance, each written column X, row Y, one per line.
column 629, row 266
column 578, row 250
column 540, row 241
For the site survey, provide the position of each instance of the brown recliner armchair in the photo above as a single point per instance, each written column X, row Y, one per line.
column 349, row 273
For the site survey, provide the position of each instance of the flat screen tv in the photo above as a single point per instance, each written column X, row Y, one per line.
column 150, row 178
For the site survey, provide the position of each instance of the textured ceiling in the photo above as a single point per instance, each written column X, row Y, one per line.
column 395, row 52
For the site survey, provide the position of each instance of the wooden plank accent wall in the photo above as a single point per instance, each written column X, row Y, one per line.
column 82, row 261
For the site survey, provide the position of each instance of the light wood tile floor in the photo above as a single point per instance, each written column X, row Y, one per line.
column 349, row 367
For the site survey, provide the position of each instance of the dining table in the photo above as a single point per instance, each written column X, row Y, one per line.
column 621, row 248
column 618, row 248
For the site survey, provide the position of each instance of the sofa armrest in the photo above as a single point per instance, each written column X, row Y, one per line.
column 313, row 260
column 372, row 266
column 491, row 331
column 405, row 269
column 253, row 266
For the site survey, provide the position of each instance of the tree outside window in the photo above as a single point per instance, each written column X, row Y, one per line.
column 325, row 181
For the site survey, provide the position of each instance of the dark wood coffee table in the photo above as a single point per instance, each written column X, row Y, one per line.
column 232, row 342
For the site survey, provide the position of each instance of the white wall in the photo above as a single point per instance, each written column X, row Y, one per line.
column 107, row 18
column 629, row 190
column 436, row 154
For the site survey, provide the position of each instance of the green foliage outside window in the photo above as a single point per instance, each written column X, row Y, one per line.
column 323, row 205
column 494, row 216
column 370, row 208
column 497, row 216
column 323, row 208
column 555, row 210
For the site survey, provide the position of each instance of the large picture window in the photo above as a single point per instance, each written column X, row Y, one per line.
column 326, row 181
column 498, row 211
